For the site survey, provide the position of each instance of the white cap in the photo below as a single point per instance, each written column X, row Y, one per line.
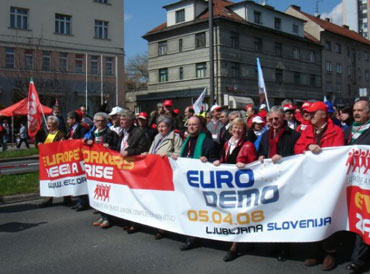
column 115, row 110
column 257, row 120
column 262, row 106
column 215, row 106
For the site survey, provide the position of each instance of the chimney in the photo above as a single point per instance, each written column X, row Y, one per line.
column 327, row 19
column 296, row 7
column 345, row 26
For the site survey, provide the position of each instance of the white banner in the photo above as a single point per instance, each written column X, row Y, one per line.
column 303, row 198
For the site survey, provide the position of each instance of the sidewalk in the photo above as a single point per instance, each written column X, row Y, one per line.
column 19, row 198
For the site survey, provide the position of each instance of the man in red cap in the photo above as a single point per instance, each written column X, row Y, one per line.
column 323, row 134
column 306, row 118
column 142, row 120
column 168, row 105
column 251, row 113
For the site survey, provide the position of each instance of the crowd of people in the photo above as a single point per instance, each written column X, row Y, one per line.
column 220, row 136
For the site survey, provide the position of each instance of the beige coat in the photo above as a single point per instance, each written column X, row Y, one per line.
column 172, row 144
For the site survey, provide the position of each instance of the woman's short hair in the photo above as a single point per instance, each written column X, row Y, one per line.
column 73, row 115
column 238, row 122
column 101, row 115
column 54, row 119
column 127, row 114
column 164, row 119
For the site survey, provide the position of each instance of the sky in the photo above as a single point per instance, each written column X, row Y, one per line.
column 140, row 16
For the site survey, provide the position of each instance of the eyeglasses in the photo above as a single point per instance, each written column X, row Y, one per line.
column 274, row 119
column 99, row 121
column 193, row 125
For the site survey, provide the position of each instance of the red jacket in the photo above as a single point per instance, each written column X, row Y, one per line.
column 246, row 153
column 333, row 136
column 305, row 125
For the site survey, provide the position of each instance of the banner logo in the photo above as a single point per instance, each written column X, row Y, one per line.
column 101, row 192
column 358, row 160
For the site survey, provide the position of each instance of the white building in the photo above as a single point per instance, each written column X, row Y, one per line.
column 356, row 15
column 66, row 46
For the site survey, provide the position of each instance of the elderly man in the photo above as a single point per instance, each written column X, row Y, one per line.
column 197, row 146
column 115, row 120
column 214, row 126
column 277, row 142
column 323, row 134
column 359, row 134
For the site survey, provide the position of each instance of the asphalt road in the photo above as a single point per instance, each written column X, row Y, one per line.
column 20, row 166
column 60, row 240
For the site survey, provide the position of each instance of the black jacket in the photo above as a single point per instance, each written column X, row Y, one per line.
column 285, row 145
column 111, row 138
column 364, row 139
column 79, row 132
column 137, row 141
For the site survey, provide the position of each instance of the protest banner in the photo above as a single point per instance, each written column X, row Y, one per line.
column 303, row 198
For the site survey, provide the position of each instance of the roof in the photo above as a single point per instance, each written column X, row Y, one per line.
column 311, row 38
column 329, row 26
column 219, row 10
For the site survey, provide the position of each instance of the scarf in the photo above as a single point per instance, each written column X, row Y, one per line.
column 357, row 130
column 273, row 142
column 198, row 146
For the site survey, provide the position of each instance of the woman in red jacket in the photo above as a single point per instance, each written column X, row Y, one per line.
column 237, row 150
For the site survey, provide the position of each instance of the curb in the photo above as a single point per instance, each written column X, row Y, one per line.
column 19, row 159
column 19, row 198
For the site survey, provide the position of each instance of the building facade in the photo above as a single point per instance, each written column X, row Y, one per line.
column 178, row 54
column 69, row 48
column 345, row 57
column 356, row 15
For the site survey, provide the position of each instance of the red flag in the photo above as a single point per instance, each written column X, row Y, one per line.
column 34, row 111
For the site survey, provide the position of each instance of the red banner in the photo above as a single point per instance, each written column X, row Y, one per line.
column 34, row 116
column 137, row 172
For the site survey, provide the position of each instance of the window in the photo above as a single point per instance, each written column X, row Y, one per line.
column 234, row 40
column 277, row 23
column 328, row 45
column 79, row 59
column 180, row 16
column 367, row 75
column 338, row 48
column 18, row 18
column 311, row 57
column 339, row 68
column 235, row 70
column 200, row 40
column 295, row 28
column 258, row 44
column 201, row 70
column 63, row 24
column 329, row 87
column 328, row 66
column 366, row 56
column 163, row 75
column 63, row 61
column 180, row 45
column 162, row 48
column 102, row 1
column 9, row 58
column 297, row 77
column 339, row 87
column 295, row 53
column 28, row 59
column 349, row 72
column 279, row 76
column 181, row 73
column 101, row 29
column 94, row 64
column 109, row 65
column 278, row 49
column 257, row 17
column 312, row 80
column 46, row 61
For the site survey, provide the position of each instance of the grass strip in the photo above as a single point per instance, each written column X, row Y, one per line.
column 19, row 153
column 19, row 184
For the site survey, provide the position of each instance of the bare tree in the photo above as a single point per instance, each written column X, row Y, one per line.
column 137, row 72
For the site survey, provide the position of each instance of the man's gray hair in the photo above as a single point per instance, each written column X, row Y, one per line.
column 276, row 109
column 235, row 112
column 127, row 114
column 165, row 119
column 54, row 119
column 101, row 115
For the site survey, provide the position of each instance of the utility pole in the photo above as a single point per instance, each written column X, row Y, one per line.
column 211, row 61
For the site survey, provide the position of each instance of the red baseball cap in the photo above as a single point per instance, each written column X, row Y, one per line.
column 248, row 106
column 306, row 105
column 168, row 103
column 176, row 111
column 142, row 115
column 318, row 105
column 287, row 107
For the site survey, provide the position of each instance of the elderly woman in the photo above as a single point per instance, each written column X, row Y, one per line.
column 237, row 150
column 54, row 135
column 109, row 139
column 165, row 143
